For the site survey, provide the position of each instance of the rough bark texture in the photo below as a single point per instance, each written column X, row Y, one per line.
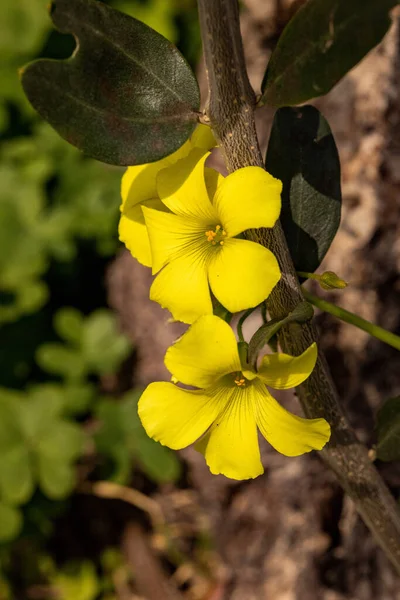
column 291, row 535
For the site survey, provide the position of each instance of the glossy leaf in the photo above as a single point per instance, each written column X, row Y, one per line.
column 302, row 154
column 323, row 41
column 126, row 96
column 388, row 430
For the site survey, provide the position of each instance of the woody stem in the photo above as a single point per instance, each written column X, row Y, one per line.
column 230, row 108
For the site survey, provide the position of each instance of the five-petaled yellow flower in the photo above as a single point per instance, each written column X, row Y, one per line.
column 231, row 402
column 193, row 239
column 138, row 188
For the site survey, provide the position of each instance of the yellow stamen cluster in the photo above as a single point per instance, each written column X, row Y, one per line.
column 214, row 235
column 240, row 380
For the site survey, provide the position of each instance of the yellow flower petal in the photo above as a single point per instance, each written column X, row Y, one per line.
column 206, row 352
column 182, row 288
column 287, row 433
column 172, row 236
column 248, row 198
column 139, row 183
column 133, row 231
column 231, row 446
column 203, row 137
column 281, row 371
column 213, row 180
column 176, row 417
column 242, row 274
column 183, row 189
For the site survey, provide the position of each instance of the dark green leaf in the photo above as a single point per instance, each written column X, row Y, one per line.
column 388, row 430
column 125, row 97
column 323, row 41
column 302, row 154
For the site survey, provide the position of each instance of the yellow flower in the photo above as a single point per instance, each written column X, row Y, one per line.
column 230, row 404
column 194, row 246
column 138, row 188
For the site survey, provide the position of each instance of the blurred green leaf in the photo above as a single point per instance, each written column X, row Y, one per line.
column 321, row 43
column 136, row 103
column 10, row 522
column 16, row 478
column 388, row 430
column 61, row 360
column 103, row 346
column 302, row 154
column 122, row 437
column 68, row 323
column 77, row 582
column 37, row 444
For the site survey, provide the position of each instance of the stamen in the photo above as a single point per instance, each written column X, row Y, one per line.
column 214, row 235
column 240, row 380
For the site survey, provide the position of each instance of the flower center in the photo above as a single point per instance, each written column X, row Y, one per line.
column 240, row 380
column 215, row 236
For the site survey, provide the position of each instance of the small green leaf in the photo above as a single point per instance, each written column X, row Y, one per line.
column 11, row 521
column 388, row 430
column 302, row 312
column 56, row 478
column 126, row 96
column 68, row 323
column 323, row 41
column 61, row 360
column 16, row 478
column 104, row 347
column 302, row 154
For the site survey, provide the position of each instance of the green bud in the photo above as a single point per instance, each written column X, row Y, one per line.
column 330, row 281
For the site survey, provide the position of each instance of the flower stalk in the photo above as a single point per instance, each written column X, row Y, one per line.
column 348, row 317
column 230, row 109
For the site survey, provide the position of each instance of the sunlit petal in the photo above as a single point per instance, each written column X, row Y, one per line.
column 182, row 288
column 172, row 236
column 177, row 417
column 231, row 447
column 281, row 371
column 287, row 433
column 183, row 189
column 133, row 231
column 203, row 137
column 139, row 183
column 248, row 198
column 204, row 353
column 242, row 274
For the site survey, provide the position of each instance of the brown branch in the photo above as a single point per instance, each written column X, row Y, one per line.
column 230, row 109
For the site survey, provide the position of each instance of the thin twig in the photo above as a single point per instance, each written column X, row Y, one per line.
column 230, row 109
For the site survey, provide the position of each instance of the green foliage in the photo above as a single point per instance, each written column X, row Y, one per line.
column 121, row 437
column 388, row 430
column 77, row 582
column 11, row 521
column 33, row 231
column 302, row 153
column 92, row 345
column 23, row 28
column 126, row 97
column 323, row 41
column 38, row 445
